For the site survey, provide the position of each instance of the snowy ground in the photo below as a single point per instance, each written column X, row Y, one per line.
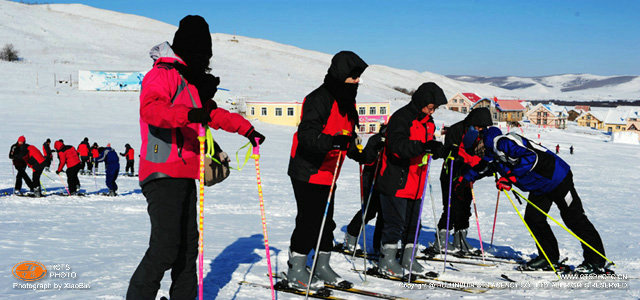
column 103, row 238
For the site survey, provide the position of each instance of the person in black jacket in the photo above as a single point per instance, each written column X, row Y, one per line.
column 20, row 165
column 371, row 203
column 410, row 136
column 467, row 129
column 48, row 155
column 325, row 135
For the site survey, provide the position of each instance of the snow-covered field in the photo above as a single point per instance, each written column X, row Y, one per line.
column 102, row 239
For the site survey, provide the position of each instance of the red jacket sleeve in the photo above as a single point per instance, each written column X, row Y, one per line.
column 230, row 122
column 62, row 157
column 158, row 87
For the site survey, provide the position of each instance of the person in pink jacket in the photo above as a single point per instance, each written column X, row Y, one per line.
column 175, row 100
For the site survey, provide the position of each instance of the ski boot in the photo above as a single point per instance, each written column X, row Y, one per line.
column 460, row 243
column 324, row 272
column 388, row 265
column 438, row 248
column 592, row 268
column 37, row 192
column 112, row 193
column 350, row 243
column 298, row 274
column 416, row 268
column 17, row 192
column 540, row 263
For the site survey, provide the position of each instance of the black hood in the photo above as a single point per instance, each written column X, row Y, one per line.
column 192, row 42
column 345, row 64
column 479, row 117
column 428, row 93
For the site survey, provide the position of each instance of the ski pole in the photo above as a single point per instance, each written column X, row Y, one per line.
column 446, row 243
column 415, row 238
column 495, row 216
column 65, row 186
column 516, row 193
column 475, row 208
column 433, row 212
column 256, row 157
column 201, row 138
column 324, row 219
column 532, row 235
column 364, row 215
column 366, row 211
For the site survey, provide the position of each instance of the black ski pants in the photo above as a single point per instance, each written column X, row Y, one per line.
column 173, row 243
column 572, row 213
column 401, row 217
column 373, row 212
column 311, row 201
column 461, row 199
column 22, row 175
column 129, row 166
column 72, row 178
column 85, row 160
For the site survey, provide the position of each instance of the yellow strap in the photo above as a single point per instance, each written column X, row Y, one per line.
column 211, row 151
column 563, row 227
column 531, row 232
column 425, row 160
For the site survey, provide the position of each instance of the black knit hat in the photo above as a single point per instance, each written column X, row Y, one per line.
column 192, row 37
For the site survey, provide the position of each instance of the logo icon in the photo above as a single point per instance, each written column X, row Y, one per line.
column 29, row 270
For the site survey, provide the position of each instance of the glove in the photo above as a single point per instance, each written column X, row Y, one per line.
column 435, row 148
column 199, row 115
column 504, row 183
column 461, row 183
column 57, row 172
column 252, row 134
column 341, row 142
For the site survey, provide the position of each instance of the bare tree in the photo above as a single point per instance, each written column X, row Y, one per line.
column 9, row 53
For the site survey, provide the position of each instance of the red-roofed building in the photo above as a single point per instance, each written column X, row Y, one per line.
column 462, row 102
column 502, row 110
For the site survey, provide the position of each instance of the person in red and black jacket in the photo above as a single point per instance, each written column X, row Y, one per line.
column 460, row 211
column 48, row 155
column 370, row 203
column 410, row 136
column 20, row 165
column 129, row 155
column 34, row 159
column 176, row 99
column 69, row 156
column 325, row 135
column 95, row 153
column 83, row 151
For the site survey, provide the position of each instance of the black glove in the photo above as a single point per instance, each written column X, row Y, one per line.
column 461, row 183
column 57, row 172
column 252, row 134
column 341, row 142
column 435, row 148
column 199, row 115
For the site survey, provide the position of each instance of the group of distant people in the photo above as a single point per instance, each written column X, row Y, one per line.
column 75, row 160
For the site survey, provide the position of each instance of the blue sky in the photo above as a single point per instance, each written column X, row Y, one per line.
column 486, row 38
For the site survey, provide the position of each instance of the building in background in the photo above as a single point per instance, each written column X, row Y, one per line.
column 509, row 111
column 548, row 115
column 592, row 119
column 371, row 114
column 462, row 102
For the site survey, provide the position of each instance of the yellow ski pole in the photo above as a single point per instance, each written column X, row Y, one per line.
column 533, row 236
column 563, row 227
column 201, row 138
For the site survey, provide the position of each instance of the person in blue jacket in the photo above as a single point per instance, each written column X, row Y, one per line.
column 112, row 165
column 548, row 179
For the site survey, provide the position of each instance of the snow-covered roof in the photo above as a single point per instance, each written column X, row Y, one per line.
column 472, row 97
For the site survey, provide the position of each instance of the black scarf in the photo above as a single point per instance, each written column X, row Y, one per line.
column 205, row 83
column 345, row 94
